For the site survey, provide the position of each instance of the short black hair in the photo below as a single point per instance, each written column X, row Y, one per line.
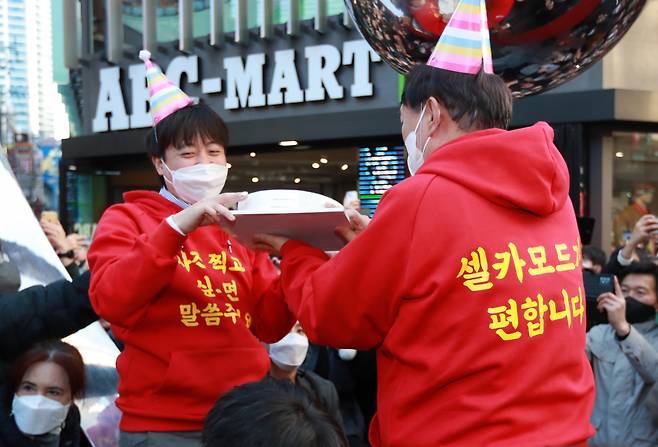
column 643, row 268
column 595, row 254
column 182, row 127
column 474, row 102
column 270, row 413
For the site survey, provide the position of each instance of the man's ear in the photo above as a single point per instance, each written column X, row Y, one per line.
column 157, row 163
column 434, row 112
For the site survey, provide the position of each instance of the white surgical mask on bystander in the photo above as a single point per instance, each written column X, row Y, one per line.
column 38, row 415
column 289, row 352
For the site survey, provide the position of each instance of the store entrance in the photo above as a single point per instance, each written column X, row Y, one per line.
column 328, row 171
column 91, row 185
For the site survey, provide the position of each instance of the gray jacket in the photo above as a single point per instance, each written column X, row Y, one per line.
column 625, row 373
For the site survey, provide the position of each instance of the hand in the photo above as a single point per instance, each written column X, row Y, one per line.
column 56, row 236
column 357, row 223
column 644, row 228
column 269, row 243
column 642, row 231
column 77, row 240
column 208, row 211
column 615, row 305
column 79, row 244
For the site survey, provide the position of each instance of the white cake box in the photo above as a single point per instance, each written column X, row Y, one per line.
column 299, row 215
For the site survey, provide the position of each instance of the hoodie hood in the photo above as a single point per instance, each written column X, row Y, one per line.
column 151, row 202
column 517, row 169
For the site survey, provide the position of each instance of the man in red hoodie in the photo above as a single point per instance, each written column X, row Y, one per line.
column 187, row 302
column 468, row 279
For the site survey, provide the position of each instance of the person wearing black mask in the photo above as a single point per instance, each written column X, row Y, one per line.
column 624, row 357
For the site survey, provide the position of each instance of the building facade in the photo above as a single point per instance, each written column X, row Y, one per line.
column 30, row 102
column 13, row 46
column 309, row 105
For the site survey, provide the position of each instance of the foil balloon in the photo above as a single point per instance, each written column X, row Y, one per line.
column 537, row 44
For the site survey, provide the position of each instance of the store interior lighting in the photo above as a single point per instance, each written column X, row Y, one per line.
column 619, row 155
column 324, row 161
column 229, row 165
column 344, row 167
column 255, row 180
column 288, row 143
column 315, row 165
column 252, row 154
column 298, row 180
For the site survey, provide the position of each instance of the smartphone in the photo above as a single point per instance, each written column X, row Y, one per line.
column 596, row 284
column 50, row 216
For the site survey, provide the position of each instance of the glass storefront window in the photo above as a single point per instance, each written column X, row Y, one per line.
column 330, row 171
column 85, row 201
column 167, row 18
column 635, row 178
column 280, row 11
column 96, row 26
column 167, row 15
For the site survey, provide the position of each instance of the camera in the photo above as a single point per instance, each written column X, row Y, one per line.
column 596, row 284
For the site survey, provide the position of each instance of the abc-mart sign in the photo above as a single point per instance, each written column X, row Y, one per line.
column 244, row 82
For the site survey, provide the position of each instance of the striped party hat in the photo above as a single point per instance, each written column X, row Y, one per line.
column 165, row 97
column 464, row 44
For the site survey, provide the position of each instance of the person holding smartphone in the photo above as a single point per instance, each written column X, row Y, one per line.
column 71, row 249
column 624, row 358
column 644, row 230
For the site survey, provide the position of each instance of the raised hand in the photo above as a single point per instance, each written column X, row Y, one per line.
column 208, row 211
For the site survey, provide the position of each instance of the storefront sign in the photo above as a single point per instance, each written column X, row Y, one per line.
column 380, row 168
column 241, row 82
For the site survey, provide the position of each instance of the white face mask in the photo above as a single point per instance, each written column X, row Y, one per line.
column 197, row 182
column 347, row 354
column 415, row 156
column 37, row 415
column 289, row 352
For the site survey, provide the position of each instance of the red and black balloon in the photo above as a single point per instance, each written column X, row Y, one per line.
column 536, row 44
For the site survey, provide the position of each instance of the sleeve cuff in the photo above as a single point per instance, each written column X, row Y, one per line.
column 166, row 241
column 174, row 225
column 631, row 342
column 620, row 339
column 622, row 260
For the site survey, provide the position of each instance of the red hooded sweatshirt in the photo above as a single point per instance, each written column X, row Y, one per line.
column 468, row 281
column 187, row 309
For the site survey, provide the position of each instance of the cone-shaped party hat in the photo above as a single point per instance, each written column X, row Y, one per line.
column 165, row 98
column 464, row 44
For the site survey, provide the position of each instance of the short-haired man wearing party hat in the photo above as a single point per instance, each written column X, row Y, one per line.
column 468, row 279
column 186, row 300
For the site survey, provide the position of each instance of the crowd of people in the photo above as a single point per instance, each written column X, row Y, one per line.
column 457, row 322
column 623, row 349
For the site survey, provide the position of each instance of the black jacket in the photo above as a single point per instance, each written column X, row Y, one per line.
column 613, row 267
column 11, row 436
column 322, row 391
column 42, row 312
